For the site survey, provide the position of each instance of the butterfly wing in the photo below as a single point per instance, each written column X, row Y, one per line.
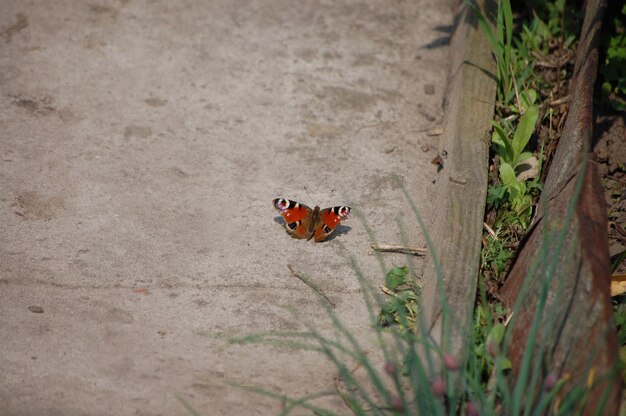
column 330, row 218
column 297, row 217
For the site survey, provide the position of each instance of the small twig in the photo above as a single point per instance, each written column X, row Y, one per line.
column 431, row 131
column 551, row 63
column 610, row 177
column 358, row 364
column 388, row 248
column 437, row 131
column 508, row 318
column 311, row 285
column 559, row 101
column 370, row 126
column 388, row 291
column 490, row 231
column 348, row 398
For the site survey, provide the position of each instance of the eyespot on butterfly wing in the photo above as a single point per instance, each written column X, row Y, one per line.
column 330, row 218
column 296, row 217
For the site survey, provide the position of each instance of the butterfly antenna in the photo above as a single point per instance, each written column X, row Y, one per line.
column 330, row 194
column 310, row 197
column 326, row 198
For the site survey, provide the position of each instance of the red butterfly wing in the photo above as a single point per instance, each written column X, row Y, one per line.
column 330, row 218
column 297, row 217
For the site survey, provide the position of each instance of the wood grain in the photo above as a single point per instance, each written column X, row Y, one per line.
column 460, row 205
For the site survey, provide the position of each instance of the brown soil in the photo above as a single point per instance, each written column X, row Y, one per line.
column 611, row 153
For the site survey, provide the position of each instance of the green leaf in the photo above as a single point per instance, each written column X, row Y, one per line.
column 523, row 156
column 508, row 20
column 618, row 104
column 504, row 363
column 486, row 28
column 498, row 136
column 495, row 195
column 507, row 174
column 528, row 98
column 396, row 277
column 516, row 190
column 524, row 131
column 503, row 144
column 497, row 333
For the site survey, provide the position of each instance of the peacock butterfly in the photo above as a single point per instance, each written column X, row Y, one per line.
column 304, row 222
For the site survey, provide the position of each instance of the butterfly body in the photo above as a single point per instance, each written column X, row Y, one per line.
column 304, row 222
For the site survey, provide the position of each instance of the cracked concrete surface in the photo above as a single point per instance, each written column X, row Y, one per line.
column 142, row 143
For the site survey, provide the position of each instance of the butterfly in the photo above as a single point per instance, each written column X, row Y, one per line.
column 304, row 222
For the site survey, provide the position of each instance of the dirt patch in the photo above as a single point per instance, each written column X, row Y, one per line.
column 155, row 102
column 31, row 205
column 611, row 153
column 21, row 23
column 141, row 132
column 37, row 106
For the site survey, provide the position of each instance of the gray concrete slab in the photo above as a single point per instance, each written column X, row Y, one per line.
column 142, row 143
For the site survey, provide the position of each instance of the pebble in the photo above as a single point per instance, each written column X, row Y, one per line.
column 35, row 309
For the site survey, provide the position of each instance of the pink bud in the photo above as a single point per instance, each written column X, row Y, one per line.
column 550, row 380
column 396, row 403
column 471, row 409
column 390, row 368
column 438, row 386
column 450, row 362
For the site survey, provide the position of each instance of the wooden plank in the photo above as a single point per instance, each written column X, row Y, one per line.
column 564, row 261
column 460, row 200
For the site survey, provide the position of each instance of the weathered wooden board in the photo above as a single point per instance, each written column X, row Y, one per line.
column 565, row 260
column 457, row 230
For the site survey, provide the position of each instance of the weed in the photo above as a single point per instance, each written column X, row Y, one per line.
column 619, row 311
column 401, row 305
column 496, row 255
column 501, row 42
column 517, row 116
column 538, row 54
column 612, row 74
column 416, row 375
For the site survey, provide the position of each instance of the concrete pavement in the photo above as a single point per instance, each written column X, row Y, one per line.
column 142, row 143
